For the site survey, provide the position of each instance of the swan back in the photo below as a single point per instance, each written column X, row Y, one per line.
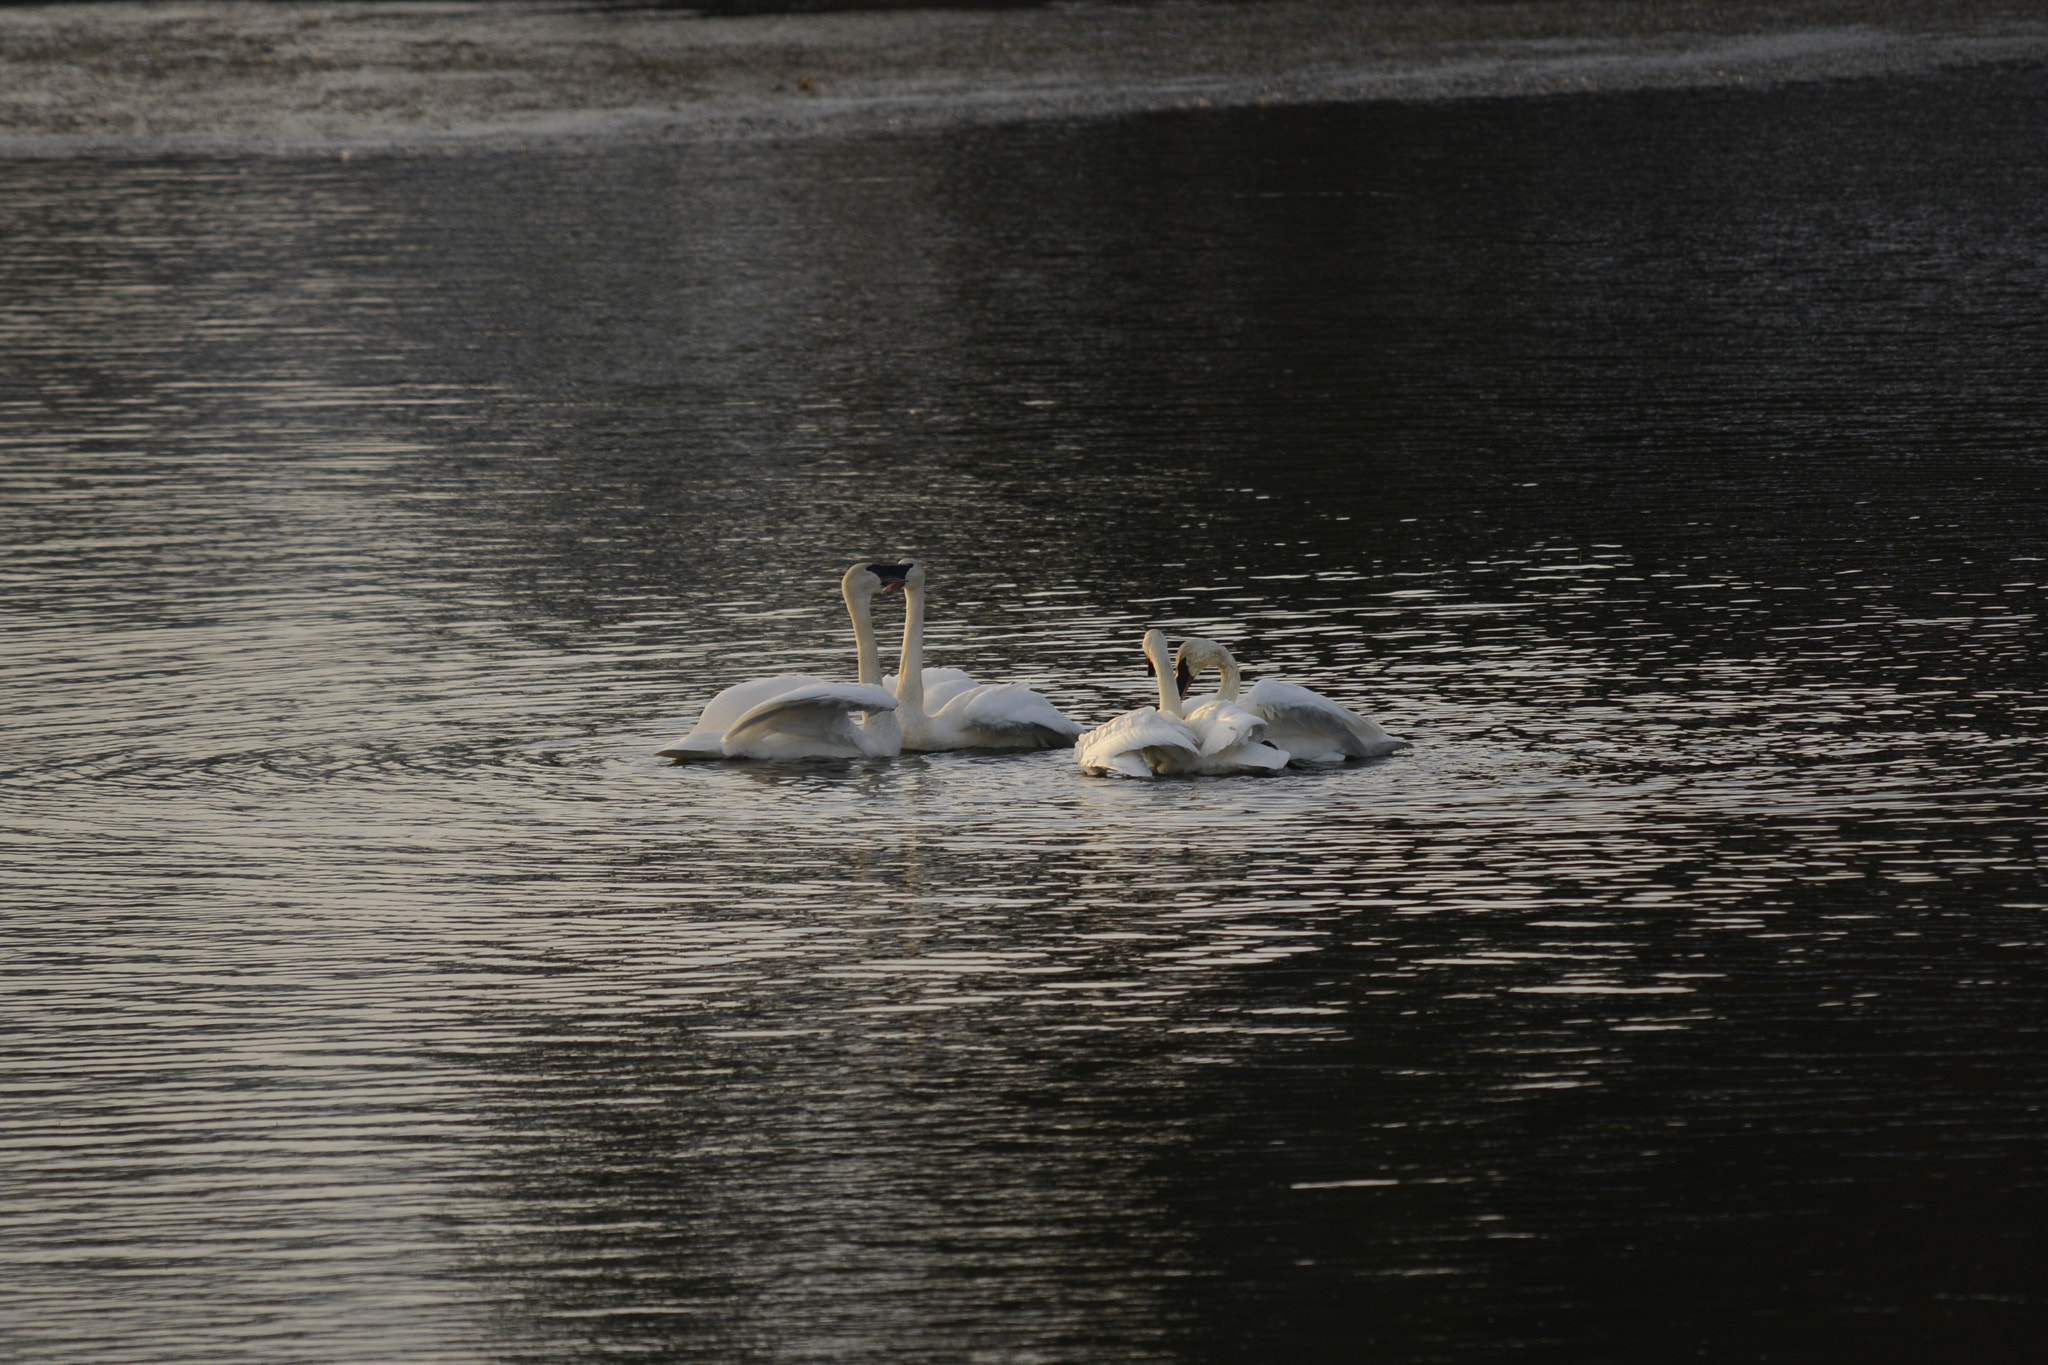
column 817, row 720
column 1233, row 740
column 722, row 712
column 1140, row 743
column 1220, row 724
column 1314, row 729
column 945, row 708
column 941, row 685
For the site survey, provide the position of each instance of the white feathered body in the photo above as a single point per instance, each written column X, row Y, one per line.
column 960, row 713
column 941, row 685
column 1313, row 729
column 789, row 717
column 1233, row 739
column 1141, row 743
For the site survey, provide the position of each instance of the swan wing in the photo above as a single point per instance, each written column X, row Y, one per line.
column 1314, row 729
column 941, row 685
column 813, row 721
column 1141, row 743
column 1221, row 725
column 724, row 710
column 1242, row 758
column 1012, row 713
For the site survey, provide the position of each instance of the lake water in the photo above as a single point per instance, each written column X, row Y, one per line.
column 1668, row 467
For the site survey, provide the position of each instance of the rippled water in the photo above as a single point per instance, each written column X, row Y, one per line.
column 1667, row 467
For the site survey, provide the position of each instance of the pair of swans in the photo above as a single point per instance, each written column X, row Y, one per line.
column 800, row 716
column 1167, row 741
column 1278, row 724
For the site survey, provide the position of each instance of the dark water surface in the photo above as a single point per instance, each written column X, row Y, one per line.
column 1668, row 467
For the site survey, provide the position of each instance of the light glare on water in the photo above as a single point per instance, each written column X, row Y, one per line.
column 376, row 994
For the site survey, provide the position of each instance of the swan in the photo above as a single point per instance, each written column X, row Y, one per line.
column 1151, row 741
column 944, row 708
column 1308, row 725
column 1158, row 742
column 797, row 715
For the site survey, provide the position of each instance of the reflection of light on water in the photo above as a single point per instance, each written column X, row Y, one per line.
column 378, row 981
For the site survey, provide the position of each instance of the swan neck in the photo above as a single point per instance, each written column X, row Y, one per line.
column 1233, row 678
column 858, row 607
column 910, row 668
column 1169, row 683
column 881, row 733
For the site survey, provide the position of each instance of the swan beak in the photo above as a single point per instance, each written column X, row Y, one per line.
column 893, row 576
column 1185, row 677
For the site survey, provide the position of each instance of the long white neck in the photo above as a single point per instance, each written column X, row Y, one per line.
column 1233, row 678
column 884, row 732
column 1169, row 684
column 910, row 668
column 858, row 606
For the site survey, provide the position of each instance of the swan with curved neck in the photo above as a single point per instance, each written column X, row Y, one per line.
column 798, row 715
column 1232, row 738
column 1158, row 741
column 960, row 713
column 1312, row 728
column 1151, row 741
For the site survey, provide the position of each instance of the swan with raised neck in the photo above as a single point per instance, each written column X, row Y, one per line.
column 967, row 714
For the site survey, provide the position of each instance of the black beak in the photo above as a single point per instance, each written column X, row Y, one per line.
column 1185, row 678
column 892, row 575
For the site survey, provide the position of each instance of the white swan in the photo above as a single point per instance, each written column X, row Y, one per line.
column 797, row 715
column 1308, row 725
column 944, row 708
column 1151, row 741
column 1158, row 742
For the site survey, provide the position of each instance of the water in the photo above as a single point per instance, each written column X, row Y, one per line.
column 1667, row 467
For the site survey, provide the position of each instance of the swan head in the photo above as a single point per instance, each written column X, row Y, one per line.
column 862, row 581
column 1195, row 656
column 909, row 574
column 1155, row 650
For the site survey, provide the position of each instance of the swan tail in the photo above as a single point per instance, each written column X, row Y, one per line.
column 698, row 744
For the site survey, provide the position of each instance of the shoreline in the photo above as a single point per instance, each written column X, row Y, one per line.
column 235, row 77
